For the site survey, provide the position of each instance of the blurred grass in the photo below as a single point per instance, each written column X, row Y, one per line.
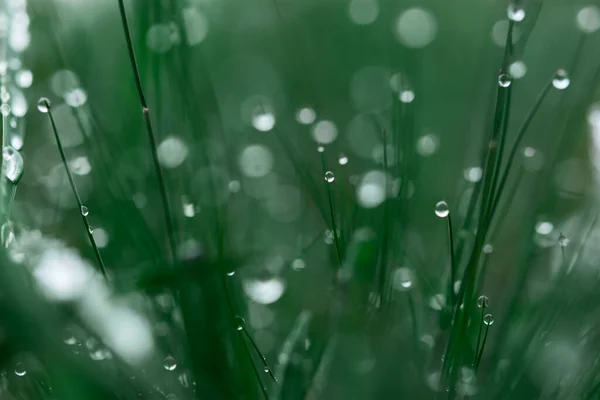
column 332, row 258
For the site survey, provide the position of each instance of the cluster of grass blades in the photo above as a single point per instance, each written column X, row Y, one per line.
column 335, row 278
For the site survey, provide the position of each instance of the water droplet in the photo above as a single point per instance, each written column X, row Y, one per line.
column 488, row 248
column 70, row 340
column 482, row 302
column 267, row 370
column 7, row 234
column 329, row 177
column 5, row 109
column 84, row 211
column 504, row 80
column 298, row 264
column 12, row 164
column 240, row 323
column 561, row 80
column 563, row 241
column 488, row 319
column 441, row 209
column 343, row 159
column 43, row 105
column 20, row 369
column 90, row 229
column 320, row 149
column 406, row 96
column 231, row 273
column 403, row 279
column 515, row 12
column 170, row 363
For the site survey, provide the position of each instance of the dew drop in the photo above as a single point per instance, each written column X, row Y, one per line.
column 504, row 80
column 329, row 177
column 267, row 370
column 343, row 159
column 320, row 149
column 482, row 302
column 84, row 211
column 43, row 105
column 441, row 209
column 5, row 109
column 90, row 229
column 563, row 241
column 231, row 273
column 240, row 323
column 170, row 363
column 20, row 369
column 488, row 248
column 488, row 319
column 515, row 13
column 13, row 164
column 561, row 80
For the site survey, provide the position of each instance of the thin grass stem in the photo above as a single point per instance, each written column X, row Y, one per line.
column 479, row 335
column 268, row 369
column 256, row 372
column 86, row 223
column 151, row 138
column 480, row 355
column 453, row 266
column 332, row 213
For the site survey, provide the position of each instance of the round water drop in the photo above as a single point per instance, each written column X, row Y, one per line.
column 504, row 80
column 24, row 78
column 482, row 302
column 172, row 152
column 84, row 211
column 267, row 370
column 20, row 369
column 43, row 105
column 329, row 177
column 263, row 120
column 488, row 248
column 90, row 229
column 170, row 363
column 320, row 149
column 324, row 132
column 561, row 80
column 406, row 96
column 403, row 279
column 306, row 116
column 488, row 319
column 343, row 159
column 563, row 241
column 5, row 109
column 298, row 264
column 13, row 164
column 441, row 209
column 588, row 19
column 231, row 273
column 240, row 323
column 515, row 12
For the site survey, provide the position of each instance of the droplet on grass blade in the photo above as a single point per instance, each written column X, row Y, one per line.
column 5, row 109
column 20, row 369
column 240, row 323
column 170, row 363
column 43, row 105
column 482, row 302
column 441, row 209
column 561, row 80
column 403, row 279
column 563, row 241
column 488, row 319
column 329, row 177
column 343, row 159
column 504, row 80
column 515, row 12
column 13, row 164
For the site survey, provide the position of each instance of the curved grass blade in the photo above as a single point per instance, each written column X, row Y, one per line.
column 82, row 209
